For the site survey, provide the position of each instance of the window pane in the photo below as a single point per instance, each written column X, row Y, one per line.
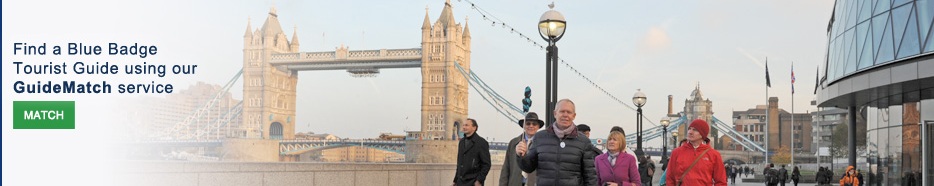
column 925, row 9
column 883, row 138
column 848, row 49
column 865, row 44
column 930, row 45
column 899, row 20
column 900, row 2
column 878, row 24
column 865, row 11
column 927, row 116
column 845, row 16
column 882, row 6
column 872, row 144
column 853, row 16
column 886, row 50
column 831, row 69
column 910, row 44
column 894, row 147
column 911, row 139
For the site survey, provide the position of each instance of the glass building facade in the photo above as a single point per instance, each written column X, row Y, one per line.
column 866, row 34
column 879, row 66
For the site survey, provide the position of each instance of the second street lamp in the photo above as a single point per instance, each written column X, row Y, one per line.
column 664, row 142
column 674, row 140
column 638, row 99
column 551, row 27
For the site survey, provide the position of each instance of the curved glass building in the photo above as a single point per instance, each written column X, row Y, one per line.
column 879, row 66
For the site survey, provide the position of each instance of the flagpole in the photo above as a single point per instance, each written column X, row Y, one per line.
column 819, row 117
column 768, row 112
column 792, row 113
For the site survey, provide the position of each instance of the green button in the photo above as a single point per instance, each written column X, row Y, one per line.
column 43, row 115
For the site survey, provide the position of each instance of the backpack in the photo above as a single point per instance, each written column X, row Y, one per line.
column 782, row 175
column 644, row 171
column 773, row 176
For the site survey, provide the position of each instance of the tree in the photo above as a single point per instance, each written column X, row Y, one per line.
column 839, row 144
column 782, row 156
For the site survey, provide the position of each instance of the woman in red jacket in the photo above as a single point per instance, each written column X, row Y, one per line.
column 695, row 162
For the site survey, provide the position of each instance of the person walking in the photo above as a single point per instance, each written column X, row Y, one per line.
column 819, row 176
column 584, row 129
column 849, row 177
column 646, row 170
column 734, row 173
column 560, row 154
column 473, row 157
column 729, row 171
column 771, row 175
column 616, row 167
column 511, row 174
column 795, row 176
column 782, row 175
column 695, row 162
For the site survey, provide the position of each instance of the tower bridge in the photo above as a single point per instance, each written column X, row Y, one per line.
column 271, row 63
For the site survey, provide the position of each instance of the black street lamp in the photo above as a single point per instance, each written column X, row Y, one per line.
column 638, row 99
column 551, row 27
column 664, row 123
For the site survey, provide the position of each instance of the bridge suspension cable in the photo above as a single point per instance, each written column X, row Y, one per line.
column 183, row 129
column 498, row 101
column 654, row 131
column 487, row 16
column 736, row 136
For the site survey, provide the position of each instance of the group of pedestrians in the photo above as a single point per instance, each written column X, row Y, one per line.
column 562, row 154
column 781, row 176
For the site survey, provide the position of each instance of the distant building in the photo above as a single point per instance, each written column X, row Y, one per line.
column 752, row 124
column 826, row 121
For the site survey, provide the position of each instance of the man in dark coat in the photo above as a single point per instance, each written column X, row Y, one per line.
column 473, row 157
column 783, row 175
column 561, row 155
column 771, row 175
column 646, row 170
column 585, row 129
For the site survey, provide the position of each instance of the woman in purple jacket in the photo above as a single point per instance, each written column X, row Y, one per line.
column 616, row 167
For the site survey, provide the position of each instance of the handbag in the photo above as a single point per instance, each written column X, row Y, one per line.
column 681, row 180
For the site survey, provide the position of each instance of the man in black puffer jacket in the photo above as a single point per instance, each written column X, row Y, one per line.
column 561, row 155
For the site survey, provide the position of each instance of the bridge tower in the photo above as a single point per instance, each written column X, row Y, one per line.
column 444, row 89
column 697, row 107
column 268, row 91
